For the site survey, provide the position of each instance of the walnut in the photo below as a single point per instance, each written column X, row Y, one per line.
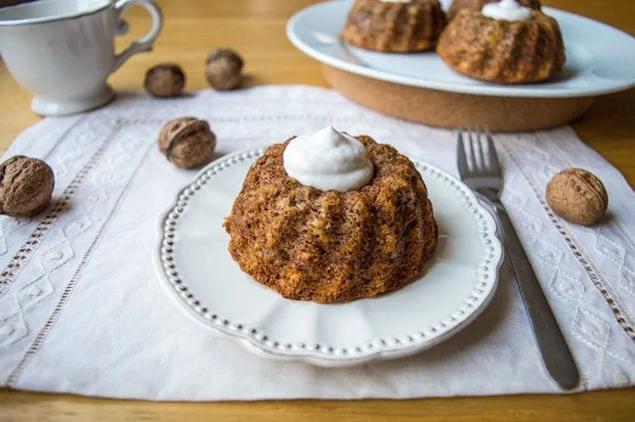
column 26, row 185
column 187, row 141
column 165, row 80
column 578, row 196
column 223, row 69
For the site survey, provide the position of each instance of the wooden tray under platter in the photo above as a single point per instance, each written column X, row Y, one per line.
column 453, row 110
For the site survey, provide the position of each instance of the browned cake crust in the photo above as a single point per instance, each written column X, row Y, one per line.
column 508, row 52
column 478, row 4
column 327, row 247
column 394, row 27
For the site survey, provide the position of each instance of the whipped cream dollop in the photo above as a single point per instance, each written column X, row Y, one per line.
column 508, row 10
column 328, row 160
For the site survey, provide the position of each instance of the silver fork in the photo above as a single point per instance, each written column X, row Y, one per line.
column 479, row 169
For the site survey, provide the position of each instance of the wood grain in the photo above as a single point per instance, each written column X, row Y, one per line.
column 613, row 406
column 256, row 29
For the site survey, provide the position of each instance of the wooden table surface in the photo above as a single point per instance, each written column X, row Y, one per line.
column 255, row 28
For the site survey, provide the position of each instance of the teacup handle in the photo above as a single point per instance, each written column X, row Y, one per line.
column 145, row 43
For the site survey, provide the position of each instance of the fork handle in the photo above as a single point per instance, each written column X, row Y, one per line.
column 552, row 345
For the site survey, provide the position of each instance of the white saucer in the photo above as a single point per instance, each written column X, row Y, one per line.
column 199, row 274
column 600, row 58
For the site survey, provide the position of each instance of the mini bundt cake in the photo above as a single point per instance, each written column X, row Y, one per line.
column 331, row 245
column 501, row 50
column 478, row 4
column 394, row 25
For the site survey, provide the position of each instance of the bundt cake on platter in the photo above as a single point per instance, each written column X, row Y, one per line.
column 394, row 25
column 503, row 42
column 332, row 218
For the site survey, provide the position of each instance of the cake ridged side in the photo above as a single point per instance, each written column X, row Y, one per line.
column 396, row 27
column 329, row 246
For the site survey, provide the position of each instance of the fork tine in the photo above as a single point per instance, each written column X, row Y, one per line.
column 479, row 147
column 470, row 133
column 494, row 164
column 461, row 160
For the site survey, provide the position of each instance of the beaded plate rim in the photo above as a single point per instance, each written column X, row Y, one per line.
column 323, row 354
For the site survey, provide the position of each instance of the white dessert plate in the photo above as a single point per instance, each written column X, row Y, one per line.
column 600, row 58
column 198, row 272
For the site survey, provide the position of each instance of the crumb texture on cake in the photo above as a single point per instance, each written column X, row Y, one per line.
column 327, row 247
column 501, row 51
column 394, row 27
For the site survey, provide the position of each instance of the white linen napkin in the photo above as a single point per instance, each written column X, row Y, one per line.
column 81, row 310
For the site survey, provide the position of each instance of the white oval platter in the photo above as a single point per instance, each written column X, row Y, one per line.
column 600, row 58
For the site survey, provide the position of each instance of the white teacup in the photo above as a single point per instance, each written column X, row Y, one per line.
column 62, row 50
